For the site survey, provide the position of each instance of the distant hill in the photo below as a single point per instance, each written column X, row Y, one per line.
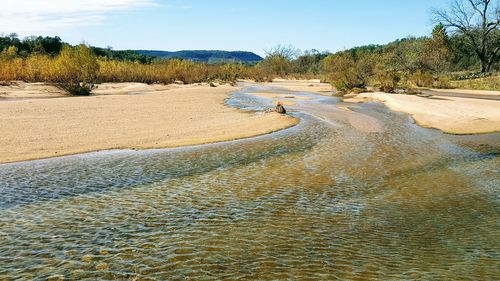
column 205, row 55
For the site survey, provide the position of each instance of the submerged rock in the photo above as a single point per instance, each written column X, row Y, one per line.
column 102, row 266
column 54, row 278
column 280, row 108
column 87, row 258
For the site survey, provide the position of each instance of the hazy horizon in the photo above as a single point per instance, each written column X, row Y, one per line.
column 221, row 24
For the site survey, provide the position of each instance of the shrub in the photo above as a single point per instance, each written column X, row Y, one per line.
column 76, row 70
column 9, row 53
column 278, row 61
column 387, row 80
column 421, row 78
column 231, row 72
column 258, row 74
column 471, row 75
column 489, row 83
column 442, row 82
column 37, row 68
column 276, row 64
column 343, row 72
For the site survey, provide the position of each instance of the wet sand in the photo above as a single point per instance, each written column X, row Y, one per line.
column 454, row 115
column 334, row 114
column 313, row 85
column 280, row 96
column 37, row 124
column 453, row 111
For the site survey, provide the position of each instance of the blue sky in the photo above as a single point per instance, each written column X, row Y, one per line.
column 220, row 24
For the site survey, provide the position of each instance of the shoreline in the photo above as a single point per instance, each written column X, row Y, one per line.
column 125, row 149
column 168, row 117
column 451, row 115
column 135, row 116
column 452, row 111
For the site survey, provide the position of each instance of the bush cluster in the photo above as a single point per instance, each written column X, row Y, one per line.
column 77, row 69
column 406, row 63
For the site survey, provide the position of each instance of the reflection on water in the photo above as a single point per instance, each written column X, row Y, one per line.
column 322, row 200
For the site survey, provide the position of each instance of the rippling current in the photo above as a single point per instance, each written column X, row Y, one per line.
column 323, row 200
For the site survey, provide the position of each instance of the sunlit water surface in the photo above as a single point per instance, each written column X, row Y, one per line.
column 321, row 200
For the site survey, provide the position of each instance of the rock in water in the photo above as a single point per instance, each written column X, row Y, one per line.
column 54, row 278
column 280, row 109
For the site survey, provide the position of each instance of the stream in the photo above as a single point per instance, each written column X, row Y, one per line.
column 353, row 192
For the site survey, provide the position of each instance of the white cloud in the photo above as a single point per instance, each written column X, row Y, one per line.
column 28, row 17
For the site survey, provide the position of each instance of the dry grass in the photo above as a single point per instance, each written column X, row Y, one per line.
column 489, row 84
column 75, row 65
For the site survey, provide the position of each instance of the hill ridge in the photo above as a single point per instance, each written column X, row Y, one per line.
column 210, row 56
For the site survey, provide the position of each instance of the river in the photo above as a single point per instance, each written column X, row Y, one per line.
column 363, row 194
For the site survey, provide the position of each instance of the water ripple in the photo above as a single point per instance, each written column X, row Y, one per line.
column 312, row 202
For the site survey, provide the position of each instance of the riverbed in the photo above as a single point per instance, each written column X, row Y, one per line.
column 351, row 192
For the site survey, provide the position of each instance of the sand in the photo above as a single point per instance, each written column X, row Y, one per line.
column 477, row 112
column 314, row 86
column 22, row 90
column 452, row 115
column 34, row 128
column 328, row 113
column 40, row 121
column 285, row 102
column 280, row 96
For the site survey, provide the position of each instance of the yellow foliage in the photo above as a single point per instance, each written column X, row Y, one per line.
column 77, row 67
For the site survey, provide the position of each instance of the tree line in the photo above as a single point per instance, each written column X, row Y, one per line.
column 464, row 44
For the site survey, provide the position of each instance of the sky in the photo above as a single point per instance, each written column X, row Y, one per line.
column 249, row 25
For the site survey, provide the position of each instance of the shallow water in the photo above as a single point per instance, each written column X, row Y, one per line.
column 323, row 200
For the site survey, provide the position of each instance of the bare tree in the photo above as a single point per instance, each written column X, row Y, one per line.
column 279, row 59
column 479, row 21
column 289, row 52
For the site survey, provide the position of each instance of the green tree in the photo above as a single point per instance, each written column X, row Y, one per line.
column 405, row 55
column 437, row 51
column 386, row 76
column 479, row 22
column 345, row 73
column 309, row 62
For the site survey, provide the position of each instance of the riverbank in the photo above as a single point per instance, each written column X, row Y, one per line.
column 38, row 121
column 453, row 115
column 313, row 85
column 453, row 111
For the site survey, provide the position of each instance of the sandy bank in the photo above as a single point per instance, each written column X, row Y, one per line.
column 450, row 114
column 314, row 86
column 183, row 115
column 23, row 90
